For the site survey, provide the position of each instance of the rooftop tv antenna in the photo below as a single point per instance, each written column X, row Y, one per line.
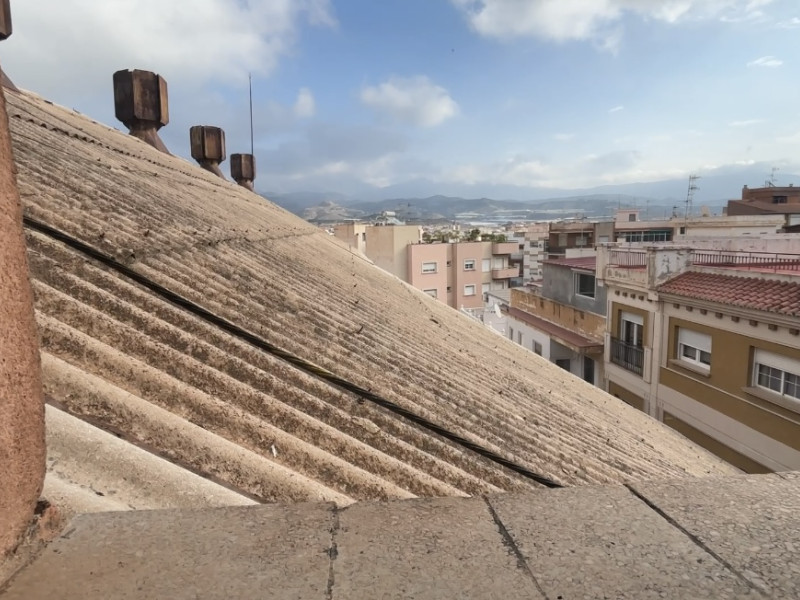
column 690, row 194
column 252, row 145
column 772, row 179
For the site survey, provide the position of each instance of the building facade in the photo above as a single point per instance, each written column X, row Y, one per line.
column 707, row 340
column 459, row 274
column 563, row 318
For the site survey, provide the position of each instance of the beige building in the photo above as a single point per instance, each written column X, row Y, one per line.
column 707, row 340
column 459, row 274
column 385, row 245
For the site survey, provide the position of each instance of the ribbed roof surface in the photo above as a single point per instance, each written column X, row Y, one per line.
column 158, row 375
column 769, row 295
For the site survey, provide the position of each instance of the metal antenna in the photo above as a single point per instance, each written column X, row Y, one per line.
column 690, row 194
column 252, row 146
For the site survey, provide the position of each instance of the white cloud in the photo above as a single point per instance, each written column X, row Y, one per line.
column 616, row 109
column 745, row 123
column 765, row 61
column 790, row 23
column 304, row 106
column 595, row 20
column 415, row 100
column 211, row 40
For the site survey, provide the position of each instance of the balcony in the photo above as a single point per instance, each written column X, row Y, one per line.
column 627, row 356
column 505, row 247
column 507, row 273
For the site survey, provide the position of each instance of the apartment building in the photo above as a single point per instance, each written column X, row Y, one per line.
column 460, row 273
column 707, row 339
column 384, row 245
column 563, row 319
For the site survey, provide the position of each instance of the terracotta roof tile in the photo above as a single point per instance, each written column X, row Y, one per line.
column 769, row 295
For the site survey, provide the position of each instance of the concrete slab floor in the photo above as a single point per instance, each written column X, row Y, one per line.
column 719, row 538
column 752, row 524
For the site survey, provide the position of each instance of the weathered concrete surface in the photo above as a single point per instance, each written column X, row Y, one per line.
column 607, row 543
column 22, row 450
column 426, row 549
column 752, row 525
column 90, row 470
column 243, row 553
column 730, row 538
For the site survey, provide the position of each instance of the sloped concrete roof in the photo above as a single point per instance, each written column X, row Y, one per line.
column 164, row 378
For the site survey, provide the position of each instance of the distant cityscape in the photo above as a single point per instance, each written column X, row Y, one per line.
column 692, row 317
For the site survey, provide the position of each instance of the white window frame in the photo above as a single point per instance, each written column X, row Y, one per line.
column 694, row 348
column 577, row 279
column 637, row 323
column 486, row 265
column 426, row 268
column 536, row 347
column 469, row 264
column 433, row 293
column 786, row 369
column 470, row 293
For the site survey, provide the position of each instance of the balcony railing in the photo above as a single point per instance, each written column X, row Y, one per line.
column 760, row 261
column 505, row 247
column 627, row 259
column 627, row 356
column 505, row 273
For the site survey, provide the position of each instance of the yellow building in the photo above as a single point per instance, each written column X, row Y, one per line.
column 708, row 341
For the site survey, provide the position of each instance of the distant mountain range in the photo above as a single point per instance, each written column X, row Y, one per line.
column 656, row 199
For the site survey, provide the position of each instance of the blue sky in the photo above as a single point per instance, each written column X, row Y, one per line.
column 466, row 95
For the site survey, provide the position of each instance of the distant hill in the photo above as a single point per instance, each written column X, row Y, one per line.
column 513, row 203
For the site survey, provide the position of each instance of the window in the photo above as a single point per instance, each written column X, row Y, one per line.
column 682, row 230
column 487, row 265
column 511, row 333
column 564, row 363
column 485, row 287
column 536, row 347
column 429, row 267
column 694, row 348
column 432, row 293
column 588, row 369
column 364, row 237
column 780, row 199
column 449, row 289
column 498, row 263
column 630, row 328
column 585, row 285
column 581, row 240
column 562, row 239
column 469, row 264
column 778, row 374
column 631, row 217
column 519, row 338
column 469, row 290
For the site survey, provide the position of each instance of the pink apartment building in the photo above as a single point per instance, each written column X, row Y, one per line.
column 459, row 274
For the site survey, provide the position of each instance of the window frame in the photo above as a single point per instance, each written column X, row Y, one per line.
column 474, row 290
column 577, row 279
column 430, row 262
column 434, row 295
column 785, row 366
column 690, row 347
column 472, row 261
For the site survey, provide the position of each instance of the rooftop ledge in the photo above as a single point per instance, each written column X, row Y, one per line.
column 710, row 538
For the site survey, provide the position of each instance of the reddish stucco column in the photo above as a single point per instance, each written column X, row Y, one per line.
column 22, row 442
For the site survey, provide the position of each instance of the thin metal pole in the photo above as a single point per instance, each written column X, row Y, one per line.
column 252, row 146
